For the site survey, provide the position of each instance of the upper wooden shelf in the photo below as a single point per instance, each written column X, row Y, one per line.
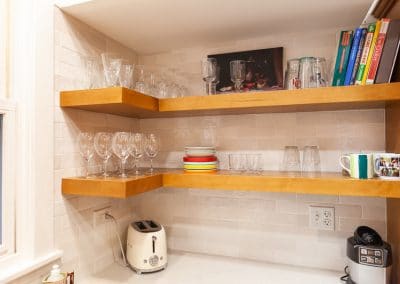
column 126, row 102
column 324, row 183
column 116, row 100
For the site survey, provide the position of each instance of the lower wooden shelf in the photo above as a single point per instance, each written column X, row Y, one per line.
column 324, row 183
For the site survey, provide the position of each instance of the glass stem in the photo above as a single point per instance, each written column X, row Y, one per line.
column 237, row 85
column 123, row 163
column 105, row 167
column 151, row 165
column 136, row 166
column 209, row 88
column 87, row 167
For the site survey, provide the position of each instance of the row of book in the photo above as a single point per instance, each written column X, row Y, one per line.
column 367, row 55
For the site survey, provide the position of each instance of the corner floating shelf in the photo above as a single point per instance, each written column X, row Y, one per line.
column 122, row 101
column 324, row 183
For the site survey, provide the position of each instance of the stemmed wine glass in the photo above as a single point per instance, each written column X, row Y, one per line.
column 103, row 147
column 209, row 71
column 86, row 148
column 121, row 148
column 238, row 73
column 136, row 141
column 152, row 146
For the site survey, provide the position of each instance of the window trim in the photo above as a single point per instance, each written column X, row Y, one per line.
column 8, row 112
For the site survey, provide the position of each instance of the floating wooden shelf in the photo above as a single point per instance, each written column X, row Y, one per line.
column 324, row 183
column 126, row 102
column 111, row 187
column 116, row 100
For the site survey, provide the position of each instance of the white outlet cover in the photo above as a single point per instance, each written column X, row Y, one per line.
column 322, row 218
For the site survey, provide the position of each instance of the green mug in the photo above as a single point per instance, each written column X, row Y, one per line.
column 360, row 165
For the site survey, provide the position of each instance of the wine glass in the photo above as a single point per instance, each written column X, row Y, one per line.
column 112, row 68
column 86, row 148
column 121, row 148
column 238, row 73
column 209, row 72
column 152, row 146
column 103, row 147
column 136, row 140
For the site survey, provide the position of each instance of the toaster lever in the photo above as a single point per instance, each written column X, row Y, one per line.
column 154, row 244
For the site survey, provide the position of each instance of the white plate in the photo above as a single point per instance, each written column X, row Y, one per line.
column 199, row 153
column 200, row 148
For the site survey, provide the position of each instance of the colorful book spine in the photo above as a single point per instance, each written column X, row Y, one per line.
column 376, row 57
column 358, row 57
column 365, row 52
column 371, row 52
column 342, row 58
column 353, row 55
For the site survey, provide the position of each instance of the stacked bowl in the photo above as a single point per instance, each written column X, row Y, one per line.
column 200, row 159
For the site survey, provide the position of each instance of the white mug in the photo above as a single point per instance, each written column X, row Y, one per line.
column 387, row 165
column 360, row 165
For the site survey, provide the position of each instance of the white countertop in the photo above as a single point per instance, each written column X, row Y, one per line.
column 196, row 268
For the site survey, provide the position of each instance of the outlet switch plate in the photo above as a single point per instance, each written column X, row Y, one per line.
column 322, row 218
column 99, row 217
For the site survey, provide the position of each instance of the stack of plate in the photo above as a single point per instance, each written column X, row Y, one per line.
column 200, row 159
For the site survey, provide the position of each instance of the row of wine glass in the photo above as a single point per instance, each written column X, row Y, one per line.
column 210, row 72
column 122, row 145
column 111, row 70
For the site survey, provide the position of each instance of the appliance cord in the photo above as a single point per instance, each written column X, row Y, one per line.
column 346, row 278
column 109, row 216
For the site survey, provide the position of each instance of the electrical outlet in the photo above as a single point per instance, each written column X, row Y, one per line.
column 322, row 218
column 99, row 217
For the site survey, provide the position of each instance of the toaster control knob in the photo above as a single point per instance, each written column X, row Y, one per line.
column 153, row 260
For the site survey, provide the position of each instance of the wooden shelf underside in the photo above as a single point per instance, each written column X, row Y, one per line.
column 325, row 183
column 126, row 102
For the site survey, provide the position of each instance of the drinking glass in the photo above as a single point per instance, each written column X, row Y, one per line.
column 152, row 147
column 238, row 73
column 291, row 159
column 86, row 148
column 112, row 68
column 208, row 72
column 140, row 85
column 152, row 85
column 237, row 162
column 311, row 159
column 93, row 76
column 306, row 73
column 103, row 147
column 292, row 74
column 136, row 140
column 320, row 72
column 126, row 75
column 254, row 163
column 121, row 148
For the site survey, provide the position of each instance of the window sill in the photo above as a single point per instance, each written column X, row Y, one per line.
column 22, row 268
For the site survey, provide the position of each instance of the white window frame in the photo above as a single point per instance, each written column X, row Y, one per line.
column 7, row 248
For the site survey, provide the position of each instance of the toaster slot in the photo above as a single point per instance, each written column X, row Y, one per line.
column 141, row 225
column 152, row 224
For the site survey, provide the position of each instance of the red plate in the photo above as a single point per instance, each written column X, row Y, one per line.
column 200, row 159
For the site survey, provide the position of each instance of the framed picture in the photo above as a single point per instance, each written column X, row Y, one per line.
column 264, row 70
